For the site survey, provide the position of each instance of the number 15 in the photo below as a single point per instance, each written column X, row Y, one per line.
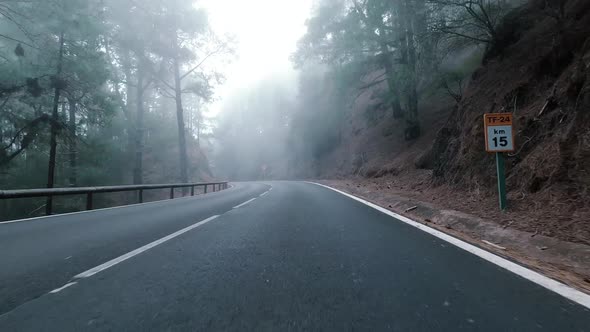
column 503, row 141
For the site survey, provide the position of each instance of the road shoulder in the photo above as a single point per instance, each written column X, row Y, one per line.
column 564, row 261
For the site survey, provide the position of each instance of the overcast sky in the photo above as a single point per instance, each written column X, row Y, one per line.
column 267, row 32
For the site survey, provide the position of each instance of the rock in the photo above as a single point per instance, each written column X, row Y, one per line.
column 411, row 208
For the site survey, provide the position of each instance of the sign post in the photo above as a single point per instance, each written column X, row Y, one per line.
column 499, row 138
column 500, row 168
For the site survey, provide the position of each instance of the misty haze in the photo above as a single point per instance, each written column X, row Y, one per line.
column 306, row 165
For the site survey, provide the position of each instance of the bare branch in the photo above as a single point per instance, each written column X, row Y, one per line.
column 18, row 41
column 217, row 51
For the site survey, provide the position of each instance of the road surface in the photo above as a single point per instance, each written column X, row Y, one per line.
column 297, row 257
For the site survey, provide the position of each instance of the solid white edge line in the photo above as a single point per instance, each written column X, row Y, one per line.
column 57, row 290
column 140, row 250
column 245, row 203
column 263, row 194
column 539, row 279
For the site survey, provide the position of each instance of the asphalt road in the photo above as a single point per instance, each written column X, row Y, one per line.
column 300, row 257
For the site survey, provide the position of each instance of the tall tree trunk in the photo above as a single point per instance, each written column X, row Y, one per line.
column 125, row 103
column 396, row 107
column 423, row 37
column 139, row 131
column 73, row 144
column 412, row 121
column 199, row 133
column 180, row 120
column 54, row 129
column 128, row 110
column 189, row 118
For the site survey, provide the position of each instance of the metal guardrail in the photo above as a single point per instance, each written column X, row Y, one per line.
column 90, row 191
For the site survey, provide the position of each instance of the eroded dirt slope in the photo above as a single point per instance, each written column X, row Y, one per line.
column 540, row 71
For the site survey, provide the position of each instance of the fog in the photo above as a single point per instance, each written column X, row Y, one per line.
column 255, row 103
column 294, row 165
column 291, row 106
column 97, row 92
column 266, row 34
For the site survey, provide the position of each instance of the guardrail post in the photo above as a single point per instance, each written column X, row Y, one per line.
column 89, row 201
column 205, row 189
column 172, row 193
column 213, row 187
column 140, row 195
column 49, row 206
column 192, row 190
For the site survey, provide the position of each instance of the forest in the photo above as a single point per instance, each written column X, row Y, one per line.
column 294, row 165
column 385, row 58
column 110, row 92
column 105, row 92
column 389, row 97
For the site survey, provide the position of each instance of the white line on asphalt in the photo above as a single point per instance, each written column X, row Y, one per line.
column 138, row 251
column 263, row 194
column 63, row 287
column 245, row 203
column 553, row 285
